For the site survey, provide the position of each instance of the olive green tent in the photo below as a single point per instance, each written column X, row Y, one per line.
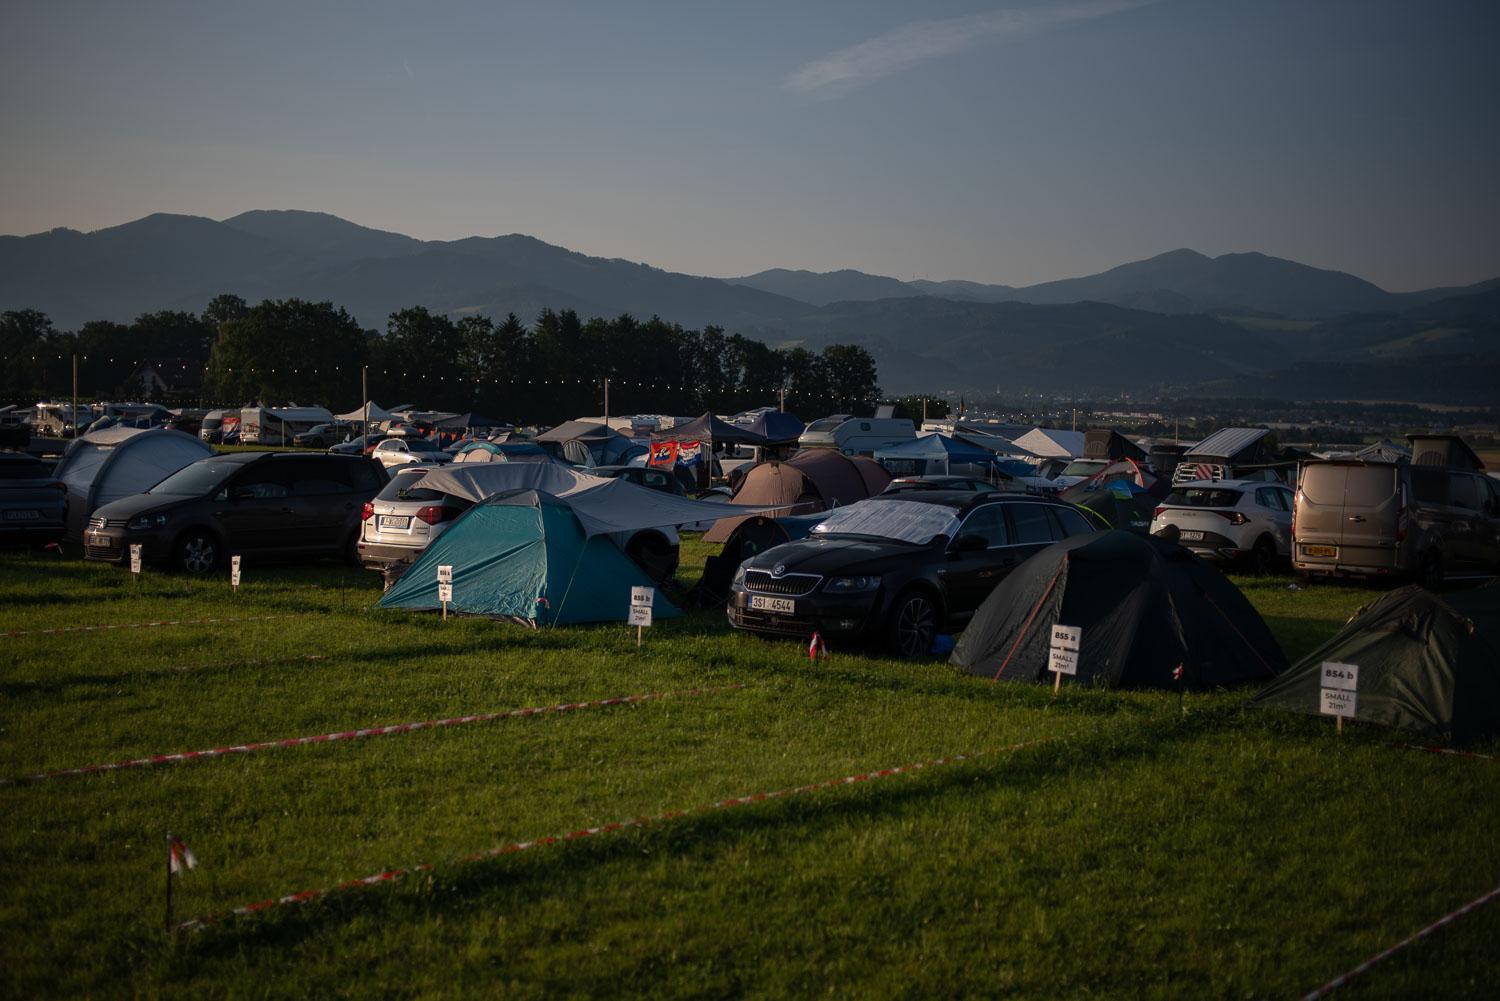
column 1427, row 663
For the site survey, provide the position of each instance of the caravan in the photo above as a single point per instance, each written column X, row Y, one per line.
column 279, row 425
column 857, row 435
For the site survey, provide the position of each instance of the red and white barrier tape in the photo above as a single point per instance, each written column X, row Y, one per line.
column 521, row 846
column 1364, row 967
column 1435, row 749
column 144, row 625
column 378, row 731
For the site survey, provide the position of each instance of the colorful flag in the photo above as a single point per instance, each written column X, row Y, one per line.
column 689, row 452
column 1177, row 673
column 663, row 453
column 180, row 857
column 816, row 647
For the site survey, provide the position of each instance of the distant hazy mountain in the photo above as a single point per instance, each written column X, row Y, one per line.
column 181, row 262
column 1181, row 281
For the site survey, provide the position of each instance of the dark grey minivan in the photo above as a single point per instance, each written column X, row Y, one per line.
column 1430, row 519
column 285, row 505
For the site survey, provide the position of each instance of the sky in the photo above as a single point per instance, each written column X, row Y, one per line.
column 1009, row 142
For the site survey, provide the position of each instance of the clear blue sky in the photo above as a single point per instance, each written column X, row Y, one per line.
column 1011, row 142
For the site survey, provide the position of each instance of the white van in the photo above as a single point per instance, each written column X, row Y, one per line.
column 857, row 435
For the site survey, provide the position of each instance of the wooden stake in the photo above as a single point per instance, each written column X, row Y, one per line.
column 1338, row 725
column 167, row 920
column 638, row 631
column 445, row 611
column 1056, row 682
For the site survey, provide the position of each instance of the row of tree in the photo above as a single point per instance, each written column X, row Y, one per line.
column 284, row 351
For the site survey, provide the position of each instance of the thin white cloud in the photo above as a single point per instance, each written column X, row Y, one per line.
column 903, row 47
column 407, row 63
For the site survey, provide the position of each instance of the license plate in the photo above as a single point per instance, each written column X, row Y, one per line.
column 1192, row 536
column 23, row 515
column 1320, row 551
column 392, row 521
column 101, row 541
column 784, row 606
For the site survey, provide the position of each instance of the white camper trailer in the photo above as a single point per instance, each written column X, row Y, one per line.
column 279, row 425
column 857, row 435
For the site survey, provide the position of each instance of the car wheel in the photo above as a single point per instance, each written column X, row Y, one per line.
column 197, row 552
column 913, row 624
column 1263, row 555
column 1430, row 573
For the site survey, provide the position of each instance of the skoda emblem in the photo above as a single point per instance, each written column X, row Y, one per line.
column 778, row 570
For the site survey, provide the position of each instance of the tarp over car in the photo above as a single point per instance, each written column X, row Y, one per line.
column 1427, row 663
column 104, row 466
column 815, row 479
column 526, row 554
column 1144, row 605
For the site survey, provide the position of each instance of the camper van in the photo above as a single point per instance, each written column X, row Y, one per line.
column 57, row 420
column 857, row 435
column 279, row 425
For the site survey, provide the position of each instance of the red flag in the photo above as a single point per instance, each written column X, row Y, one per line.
column 816, row 647
column 1177, row 673
column 663, row 453
column 180, row 857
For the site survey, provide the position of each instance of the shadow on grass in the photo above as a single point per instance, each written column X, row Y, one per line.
column 530, row 877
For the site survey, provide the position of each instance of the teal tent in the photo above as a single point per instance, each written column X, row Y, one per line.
column 524, row 554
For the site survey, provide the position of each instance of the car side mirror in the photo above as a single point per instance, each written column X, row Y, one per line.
column 970, row 543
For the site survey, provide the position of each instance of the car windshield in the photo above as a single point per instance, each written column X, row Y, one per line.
column 899, row 521
column 1203, row 497
column 422, row 445
column 319, row 429
column 403, row 487
column 197, row 478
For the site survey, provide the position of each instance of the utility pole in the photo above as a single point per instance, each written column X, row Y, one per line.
column 364, row 394
column 924, row 413
column 606, row 403
column 75, row 394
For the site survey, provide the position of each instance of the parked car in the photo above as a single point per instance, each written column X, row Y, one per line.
column 903, row 484
column 33, row 502
column 1396, row 520
column 897, row 568
column 403, row 519
column 1229, row 521
column 322, row 436
column 654, row 479
column 359, row 445
column 287, row 505
column 404, row 451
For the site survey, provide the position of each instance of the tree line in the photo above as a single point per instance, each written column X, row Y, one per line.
column 548, row 370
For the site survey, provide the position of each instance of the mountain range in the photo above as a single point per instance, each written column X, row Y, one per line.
column 1248, row 323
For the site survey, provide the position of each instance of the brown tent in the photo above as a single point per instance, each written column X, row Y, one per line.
column 815, row 479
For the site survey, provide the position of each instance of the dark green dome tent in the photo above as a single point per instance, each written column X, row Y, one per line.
column 1145, row 606
column 1427, row 663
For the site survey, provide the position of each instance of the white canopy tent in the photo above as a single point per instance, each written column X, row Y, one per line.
column 376, row 413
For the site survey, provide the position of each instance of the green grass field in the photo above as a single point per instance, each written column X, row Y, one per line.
column 1139, row 851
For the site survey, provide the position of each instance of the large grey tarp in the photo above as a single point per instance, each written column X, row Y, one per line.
column 603, row 506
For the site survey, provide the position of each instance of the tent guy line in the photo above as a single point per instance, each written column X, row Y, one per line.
column 379, row 731
column 620, row 825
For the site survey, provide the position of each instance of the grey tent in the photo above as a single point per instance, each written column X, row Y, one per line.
column 1145, row 606
column 587, row 443
column 104, row 466
column 1427, row 663
column 709, row 428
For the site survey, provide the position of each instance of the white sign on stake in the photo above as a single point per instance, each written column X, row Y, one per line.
column 1339, row 694
column 445, row 574
column 135, row 558
column 445, row 593
column 234, row 572
column 641, row 601
column 1062, row 655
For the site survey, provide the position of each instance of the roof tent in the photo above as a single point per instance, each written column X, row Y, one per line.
column 1144, row 605
column 1108, row 444
column 104, row 466
column 936, row 453
column 1427, row 663
column 525, row 554
column 1443, row 450
column 814, row 479
column 1235, row 445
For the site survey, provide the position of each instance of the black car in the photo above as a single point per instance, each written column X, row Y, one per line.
column 33, row 502
column 898, row 568
column 286, row 505
column 653, row 479
column 904, row 484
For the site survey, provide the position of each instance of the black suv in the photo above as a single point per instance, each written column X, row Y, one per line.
column 897, row 568
column 283, row 504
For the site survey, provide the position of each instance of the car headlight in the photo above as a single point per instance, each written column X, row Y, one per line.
column 142, row 522
column 738, row 583
column 852, row 585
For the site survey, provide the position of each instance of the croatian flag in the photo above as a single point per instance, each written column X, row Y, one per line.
column 180, row 856
column 689, row 452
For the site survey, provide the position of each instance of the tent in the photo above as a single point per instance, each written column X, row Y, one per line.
column 1106, row 443
column 501, row 451
column 377, row 413
column 104, row 466
column 777, row 428
column 1427, row 663
column 526, row 554
column 1123, row 493
column 470, row 420
column 585, row 443
column 1052, row 443
column 814, row 479
column 751, row 536
column 1144, row 605
column 709, row 428
column 938, row 453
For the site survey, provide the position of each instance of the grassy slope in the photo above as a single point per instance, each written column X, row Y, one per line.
column 1144, row 853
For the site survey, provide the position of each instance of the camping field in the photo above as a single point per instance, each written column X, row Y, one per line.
column 1097, row 843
